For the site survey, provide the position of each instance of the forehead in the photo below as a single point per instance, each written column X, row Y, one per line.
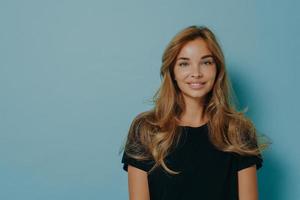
column 194, row 49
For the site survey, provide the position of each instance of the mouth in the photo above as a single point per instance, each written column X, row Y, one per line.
column 196, row 85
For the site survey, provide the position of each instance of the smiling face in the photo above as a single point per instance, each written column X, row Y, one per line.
column 195, row 70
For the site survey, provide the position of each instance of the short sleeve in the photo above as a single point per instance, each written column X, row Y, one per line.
column 144, row 165
column 247, row 161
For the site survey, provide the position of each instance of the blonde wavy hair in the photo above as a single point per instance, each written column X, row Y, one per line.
column 153, row 134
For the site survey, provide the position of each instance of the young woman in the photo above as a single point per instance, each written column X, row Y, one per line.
column 193, row 144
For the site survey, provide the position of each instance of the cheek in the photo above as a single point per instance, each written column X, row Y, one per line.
column 213, row 77
column 180, row 80
column 213, row 81
column 180, row 75
column 212, row 73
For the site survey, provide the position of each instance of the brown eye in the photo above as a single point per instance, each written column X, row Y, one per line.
column 183, row 64
column 208, row 62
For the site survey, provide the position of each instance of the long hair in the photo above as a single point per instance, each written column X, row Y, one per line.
column 154, row 133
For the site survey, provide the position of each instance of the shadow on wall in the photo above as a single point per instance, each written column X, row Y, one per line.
column 270, row 176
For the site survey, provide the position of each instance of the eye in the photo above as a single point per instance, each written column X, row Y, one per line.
column 208, row 62
column 183, row 64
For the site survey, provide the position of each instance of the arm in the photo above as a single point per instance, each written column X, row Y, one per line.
column 137, row 184
column 247, row 184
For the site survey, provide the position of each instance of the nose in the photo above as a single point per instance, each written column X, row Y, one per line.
column 196, row 71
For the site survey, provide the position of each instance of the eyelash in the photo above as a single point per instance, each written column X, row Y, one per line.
column 206, row 63
column 185, row 64
column 209, row 62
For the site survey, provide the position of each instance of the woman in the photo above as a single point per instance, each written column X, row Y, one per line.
column 193, row 144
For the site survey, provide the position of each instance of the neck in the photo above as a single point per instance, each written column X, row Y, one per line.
column 194, row 113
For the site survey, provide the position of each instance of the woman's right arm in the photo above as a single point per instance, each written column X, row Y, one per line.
column 137, row 184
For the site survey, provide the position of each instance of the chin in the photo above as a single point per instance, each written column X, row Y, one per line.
column 195, row 93
column 196, row 96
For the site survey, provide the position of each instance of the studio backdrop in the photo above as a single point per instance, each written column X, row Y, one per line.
column 74, row 74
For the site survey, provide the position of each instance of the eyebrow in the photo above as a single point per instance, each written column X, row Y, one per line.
column 185, row 58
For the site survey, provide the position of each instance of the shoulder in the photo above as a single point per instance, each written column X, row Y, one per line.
column 137, row 152
column 139, row 134
column 141, row 120
column 245, row 161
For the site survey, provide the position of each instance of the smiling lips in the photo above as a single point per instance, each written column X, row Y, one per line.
column 196, row 85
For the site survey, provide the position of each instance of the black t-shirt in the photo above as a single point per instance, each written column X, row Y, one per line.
column 206, row 173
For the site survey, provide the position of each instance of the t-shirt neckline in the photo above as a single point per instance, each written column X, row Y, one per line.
column 195, row 127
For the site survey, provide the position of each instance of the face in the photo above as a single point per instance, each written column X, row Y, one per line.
column 195, row 70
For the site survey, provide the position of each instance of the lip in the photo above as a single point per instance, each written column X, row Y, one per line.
column 196, row 85
column 202, row 82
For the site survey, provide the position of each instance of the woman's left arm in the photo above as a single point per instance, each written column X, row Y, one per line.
column 247, row 184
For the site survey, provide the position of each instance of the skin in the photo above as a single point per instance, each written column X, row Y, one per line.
column 194, row 63
column 137, row 184
column 247, row 184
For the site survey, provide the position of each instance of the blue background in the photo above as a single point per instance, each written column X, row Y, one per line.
column 73, row 74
